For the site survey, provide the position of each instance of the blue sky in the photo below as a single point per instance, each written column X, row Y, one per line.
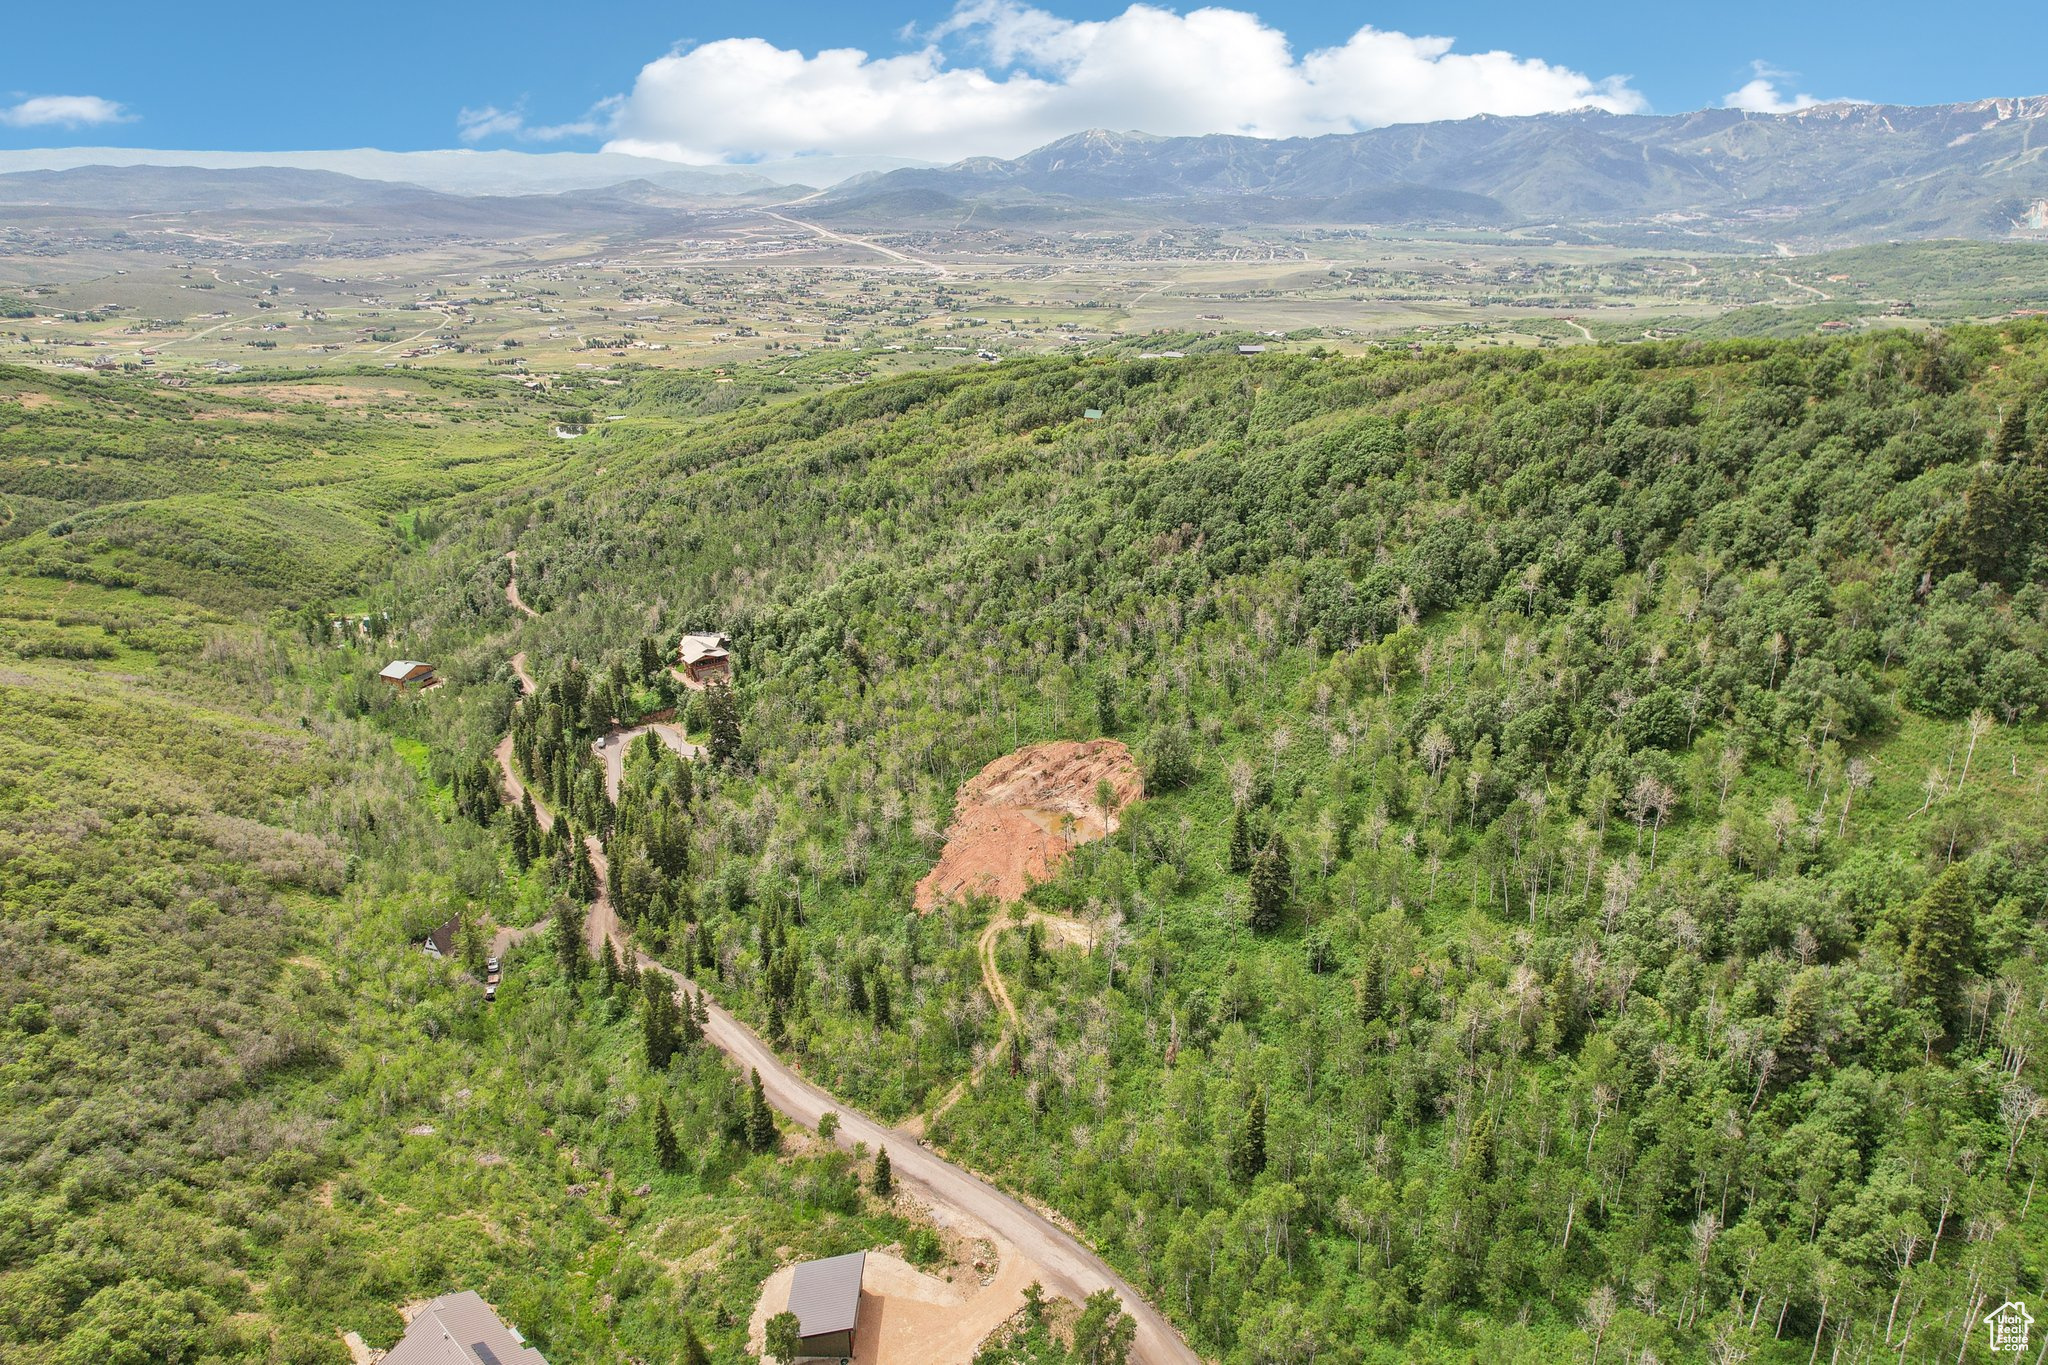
column 995, row 75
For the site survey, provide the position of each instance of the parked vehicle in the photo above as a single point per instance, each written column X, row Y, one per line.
column 490, row 990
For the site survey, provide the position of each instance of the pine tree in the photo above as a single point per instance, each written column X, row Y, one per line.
column 583, row 880
column 1249, row 1158
column 2011, row 441
column 760, row 1119
column 1272, row 883
column 1938, row 946
column 524, row 834
column 725, row 725
column 659, row 1022
column 884, row 1180
column 608, row 964
column 693, row 1348
column 569, row 940
column 881, row 999
column 1240, row 842
column 1372, row 988
column 667, row 1153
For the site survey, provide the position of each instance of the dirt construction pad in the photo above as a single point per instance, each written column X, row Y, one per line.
column 1016, row 819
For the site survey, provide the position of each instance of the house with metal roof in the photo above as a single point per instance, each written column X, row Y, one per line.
column 706, row 657
column 825, row 1296
column 461, row 1329
column 407, row 673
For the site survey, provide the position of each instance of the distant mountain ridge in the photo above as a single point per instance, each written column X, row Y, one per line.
column 1835, row 174
column 470, row 171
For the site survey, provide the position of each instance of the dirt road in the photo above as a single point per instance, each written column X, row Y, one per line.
column 614, row 751
column 1062, row 931
column 512, row 591
column 1069, row 1268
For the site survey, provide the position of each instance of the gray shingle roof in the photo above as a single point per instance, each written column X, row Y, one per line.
column 825, row 1295
column 461, row 1329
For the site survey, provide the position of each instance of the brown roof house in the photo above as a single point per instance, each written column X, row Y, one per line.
column 461, row 1329
column 403, row 673
column 706, row 657
column 825, row 1296
column 441, row 942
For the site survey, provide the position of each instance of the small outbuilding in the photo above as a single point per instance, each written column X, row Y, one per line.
column 825, row 1296
column 404, row 673
column 461, row 1329
column 706, row 657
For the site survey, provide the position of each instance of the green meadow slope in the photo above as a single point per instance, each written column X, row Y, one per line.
column 240, row 1112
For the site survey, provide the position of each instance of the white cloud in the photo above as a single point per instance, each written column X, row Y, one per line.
column 999, row 77
column 1762, row 95
column 63, row 111
column 475, row 125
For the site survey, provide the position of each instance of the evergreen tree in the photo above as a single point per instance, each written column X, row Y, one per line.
column 608, row 966
column 568, row 933
column 2011, row 441
column 760, row 1119
column 693, row 1347
column 1938, row 944
column 1105, row 707
column 1249, row 1158
column 583, row 880
column 881, row 999
column 667, row 1153
column 725, row 725
column 660, row 1022
column 525, row 833
column 884, row 1181
column 1372, row 988
column 1240, row 842
column 1272, row 884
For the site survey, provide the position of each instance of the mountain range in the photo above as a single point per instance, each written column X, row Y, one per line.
column 1834, row 175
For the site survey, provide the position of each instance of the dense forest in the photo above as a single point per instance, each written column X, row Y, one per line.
column 1589, row 901
column 1592, row 892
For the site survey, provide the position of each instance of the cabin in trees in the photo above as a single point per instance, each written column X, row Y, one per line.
column 404, row 673
column 706, row 658
column 441, row 942
column 461, row 1329
column 825, row 1296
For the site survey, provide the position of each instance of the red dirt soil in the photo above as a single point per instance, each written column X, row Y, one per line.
column 1006, row 831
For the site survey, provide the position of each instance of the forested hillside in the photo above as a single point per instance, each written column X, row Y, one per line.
column 240, row 1112
column 1591, row 897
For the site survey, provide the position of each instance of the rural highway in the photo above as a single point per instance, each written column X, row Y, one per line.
column 1065, row 1266
column 890, row 252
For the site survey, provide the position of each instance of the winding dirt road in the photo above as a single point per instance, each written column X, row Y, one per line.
column 512, row 591
column 1063, row 930
column 1068, row 1268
